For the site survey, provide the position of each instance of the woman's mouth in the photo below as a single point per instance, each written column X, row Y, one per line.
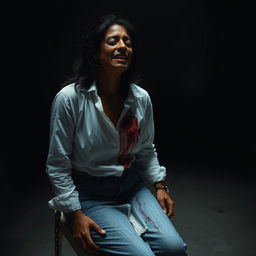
column 120, row 57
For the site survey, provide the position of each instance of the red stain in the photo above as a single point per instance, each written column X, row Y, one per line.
column 145, row 215
column 129, row 133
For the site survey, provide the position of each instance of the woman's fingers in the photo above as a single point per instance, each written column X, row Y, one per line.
column 90, row 245
column 86, row 243
column 98, row 229
column 160, row 194
column 166, row 202
column 82, row 227
column 162, row 204
column 170, row 206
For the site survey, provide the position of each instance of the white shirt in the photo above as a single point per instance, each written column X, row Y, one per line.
column 83, row 138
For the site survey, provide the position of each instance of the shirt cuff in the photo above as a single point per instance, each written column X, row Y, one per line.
column 66, row 203
column 156, row 175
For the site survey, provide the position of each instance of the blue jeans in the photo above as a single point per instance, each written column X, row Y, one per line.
column 109, row 200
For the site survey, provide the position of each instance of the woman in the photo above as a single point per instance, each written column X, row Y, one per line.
column 101, row 153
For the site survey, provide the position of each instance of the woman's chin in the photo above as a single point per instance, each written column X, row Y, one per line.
column 120, row 67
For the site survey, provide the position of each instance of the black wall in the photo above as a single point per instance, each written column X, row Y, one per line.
column 197, row 59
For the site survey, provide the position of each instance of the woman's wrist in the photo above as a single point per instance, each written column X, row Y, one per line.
column 75, row 213
column 161, row 185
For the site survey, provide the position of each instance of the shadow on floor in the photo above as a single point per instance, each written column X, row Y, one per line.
column 214, row 213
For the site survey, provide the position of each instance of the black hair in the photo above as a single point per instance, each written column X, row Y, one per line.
column 85, row 67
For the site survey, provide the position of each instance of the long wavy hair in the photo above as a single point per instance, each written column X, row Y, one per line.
column 85, row 67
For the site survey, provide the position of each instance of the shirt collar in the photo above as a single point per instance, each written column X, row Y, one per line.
column 133, row 91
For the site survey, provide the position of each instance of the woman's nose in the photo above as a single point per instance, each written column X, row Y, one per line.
column 121, row 45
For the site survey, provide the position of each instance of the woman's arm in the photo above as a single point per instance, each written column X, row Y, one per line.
column 150, row 168
column 58, row 164
column 147, row 156
column 59, row 170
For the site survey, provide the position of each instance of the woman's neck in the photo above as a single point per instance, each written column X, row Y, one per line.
column 108, row 83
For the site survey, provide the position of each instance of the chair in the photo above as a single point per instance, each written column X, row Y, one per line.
column 61, row 228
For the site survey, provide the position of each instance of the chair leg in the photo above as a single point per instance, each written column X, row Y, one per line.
column 57, row 235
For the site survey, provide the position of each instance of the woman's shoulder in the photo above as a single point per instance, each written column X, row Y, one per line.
column 69, row 91
column 67, row 95
column 141, row 94
column 138, row 91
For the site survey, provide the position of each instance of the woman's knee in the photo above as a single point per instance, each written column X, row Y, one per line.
column 141, row 252
column 128, row 251
column 173, row 248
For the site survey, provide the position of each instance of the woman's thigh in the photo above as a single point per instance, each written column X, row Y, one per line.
column 160, row 234
column 121, row 238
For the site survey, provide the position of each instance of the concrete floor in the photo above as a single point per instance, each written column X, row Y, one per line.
column 214, row 213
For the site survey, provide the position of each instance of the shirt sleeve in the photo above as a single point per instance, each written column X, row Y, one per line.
column 147, row 158
column 58, row 164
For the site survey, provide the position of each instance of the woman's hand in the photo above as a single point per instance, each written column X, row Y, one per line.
column 81, row 231
column 165, row 202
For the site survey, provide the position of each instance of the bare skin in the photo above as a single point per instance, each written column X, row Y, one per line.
column 82, row 225
column 114, row 58
column 165, row 200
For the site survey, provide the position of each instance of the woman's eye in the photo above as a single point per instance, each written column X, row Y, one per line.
column 128, row 43
column 111, row 42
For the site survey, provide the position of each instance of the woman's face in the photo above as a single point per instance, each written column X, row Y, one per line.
column 115, row 49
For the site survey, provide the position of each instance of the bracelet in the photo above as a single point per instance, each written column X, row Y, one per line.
column 165, row 187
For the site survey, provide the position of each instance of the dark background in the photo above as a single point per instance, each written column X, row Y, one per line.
column 198, row 63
